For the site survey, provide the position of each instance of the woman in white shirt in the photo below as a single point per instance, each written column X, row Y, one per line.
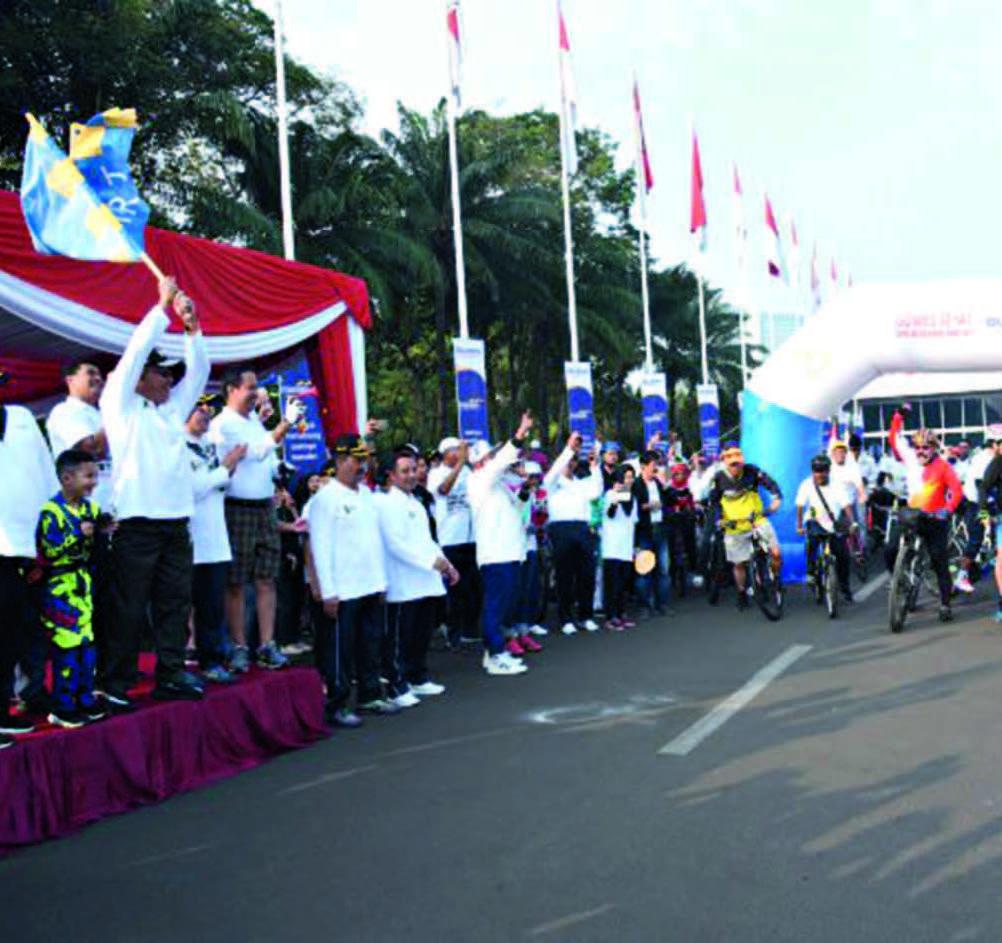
column 618, row 524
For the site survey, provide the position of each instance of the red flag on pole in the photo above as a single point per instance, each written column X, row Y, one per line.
column 455, row 51
column 775, row 261
column 815, row 279
column 568, row 98
column 638, row 120
column 697, row 209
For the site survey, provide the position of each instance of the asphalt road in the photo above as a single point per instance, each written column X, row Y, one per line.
column 858, row 797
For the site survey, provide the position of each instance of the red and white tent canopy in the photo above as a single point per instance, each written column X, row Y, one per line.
column 253, row 308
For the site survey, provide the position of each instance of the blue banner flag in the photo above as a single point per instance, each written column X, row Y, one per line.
column 580, row 408
column 709, row 419
column 654, row 401
column 84, row 205
column 471, row 388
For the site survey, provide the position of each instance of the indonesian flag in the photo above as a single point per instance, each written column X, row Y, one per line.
column 697, row 209
column 455, row 53
column 740, row 230
column 568, row 100
column 833, row 273
column 815, row 279
column 794, row 255
column 643, row 158
column 774, row 244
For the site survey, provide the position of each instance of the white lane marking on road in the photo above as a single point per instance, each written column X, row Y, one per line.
column 323, row 780
column 689, row 739
column 870, row 588
column 570, row 920
column 449, row 741
column 170, row 855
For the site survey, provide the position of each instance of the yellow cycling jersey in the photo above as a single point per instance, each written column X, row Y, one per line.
column 740, row 510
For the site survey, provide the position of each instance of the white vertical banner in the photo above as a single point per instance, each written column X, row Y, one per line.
column 709, row 419
column 580, row 405
column 471, row 388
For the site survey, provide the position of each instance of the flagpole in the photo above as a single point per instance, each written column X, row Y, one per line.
column 285, row 184
column 457, row 225
column 702, row 329
column 572, row 310
column 644, row 293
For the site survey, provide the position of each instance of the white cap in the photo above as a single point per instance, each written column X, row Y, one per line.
column 448, row 443
column 479, row 451
column 534, row 444
column 532, row 468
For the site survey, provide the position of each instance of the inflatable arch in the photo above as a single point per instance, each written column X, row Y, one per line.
column 858, row 335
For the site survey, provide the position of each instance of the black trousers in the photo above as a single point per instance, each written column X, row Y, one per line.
column 936, row 532
column 408, row 629
column 21, row 639
column 574, row 565
column 291, row 595
column 151, row 571
column 351, row 643
column 615, row 583
column 208, row 592
column 332, row 652
column 466, row 597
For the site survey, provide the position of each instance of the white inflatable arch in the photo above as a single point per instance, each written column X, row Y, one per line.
column 860, row 334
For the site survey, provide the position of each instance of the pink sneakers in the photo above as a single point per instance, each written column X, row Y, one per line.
column 627, row 623
column 615, row 625
column 513, row 647
column 529, row 644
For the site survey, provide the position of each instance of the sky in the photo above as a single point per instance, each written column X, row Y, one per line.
column 873, row 125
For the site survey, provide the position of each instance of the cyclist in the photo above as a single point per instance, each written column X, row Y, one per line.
column 934, row 489
column 989, row 489
column 846, row 475
column 826, row 512
column 735, row 492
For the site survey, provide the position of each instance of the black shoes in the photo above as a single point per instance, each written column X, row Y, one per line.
column 117, row 701
column 180, row 687
column 945, row 614
column 12, row 725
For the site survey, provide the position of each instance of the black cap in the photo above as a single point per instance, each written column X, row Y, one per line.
column 174, row 368
column 351, row 444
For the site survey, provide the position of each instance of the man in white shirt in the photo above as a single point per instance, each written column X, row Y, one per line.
column 29, row 480
column 823, row 509
column 251, row 519
column 415, row 568
column 500, row 537
column 211, row 478
column 144, row 406
column 347, row 561
column 571, row 485
column 845, row 474
column 448, row 483
column 864, row 461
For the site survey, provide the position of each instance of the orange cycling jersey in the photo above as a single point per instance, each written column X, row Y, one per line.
column 933, row 488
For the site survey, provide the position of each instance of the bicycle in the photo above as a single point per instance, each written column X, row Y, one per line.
column 825, row 575
column 766, row 586
column 912, row 570
column 856, row 545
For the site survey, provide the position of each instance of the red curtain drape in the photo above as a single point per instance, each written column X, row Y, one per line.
column 29, row 380
column 335, row 385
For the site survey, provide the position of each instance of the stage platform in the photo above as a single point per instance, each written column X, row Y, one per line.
column 55, row 781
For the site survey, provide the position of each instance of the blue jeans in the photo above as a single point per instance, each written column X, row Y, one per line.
column 500, row 581
column 208, row 588
column 528, row 590
column 654, row 587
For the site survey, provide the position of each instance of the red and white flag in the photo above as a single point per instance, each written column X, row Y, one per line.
column 455, row 53
column 568, row 99
column 740, row 229
column 794, row 256
column 643, row 158
column 776, row 262
column 815, row 279
column 697, row 206
column 833, row 273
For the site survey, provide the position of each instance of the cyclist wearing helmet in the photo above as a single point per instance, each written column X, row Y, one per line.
column 824, row 507
column 934, row 489
column 735, row 491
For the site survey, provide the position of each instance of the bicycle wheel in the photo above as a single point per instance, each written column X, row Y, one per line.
column 831, row 586
column 901, row 587
column 715, row 571
column 768, row 592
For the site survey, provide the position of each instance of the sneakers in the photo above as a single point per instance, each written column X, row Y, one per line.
column 513, row 647
column 68, row 720
column 998, row 615
column 180, row 687
column 5, row 741
column 538, row 631
column 627, row 623
column 240, row 660
column 499, row 665
column 217, row 674
column 589, row 625
column 296, row 648
column 945, row 614
column 345, row 718
column 962, row 584
column 11, row 725
column 407, row 699
column 268, row 656
column 529, row 644
column 118, row 701
column 742, row 602
column 614, row 625
column 428, row 689
column 92, row 713
column 569, row 628
column 379, row 705
column 504, row 656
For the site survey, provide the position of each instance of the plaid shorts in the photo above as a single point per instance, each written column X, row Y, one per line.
column 254, row 542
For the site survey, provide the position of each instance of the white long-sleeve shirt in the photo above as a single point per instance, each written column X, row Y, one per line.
column 210, row 481
column 151, row 471
column 346, row 542
column 569, row 499
column 29, row 480
column 410, row 552
column 497, row 511
column 68, row 424
column 254, row 478
column 618, row 530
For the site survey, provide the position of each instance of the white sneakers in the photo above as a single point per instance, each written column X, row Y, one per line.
column 963, row 583
column 538, row 630
column 407, row 699
column 503, row 664
column 590, row 625
column 428, row 689
column 569, row 628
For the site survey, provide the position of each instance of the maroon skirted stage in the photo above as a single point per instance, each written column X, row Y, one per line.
column 55, row 781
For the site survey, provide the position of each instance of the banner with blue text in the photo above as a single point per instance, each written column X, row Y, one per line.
column 304, row 446
column 654, row 400
column 709, row 419
column 577, row 376
column 471, row 388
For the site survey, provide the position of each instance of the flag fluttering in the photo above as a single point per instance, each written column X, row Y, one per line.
column 643, row 158
column 794, row 256
column 740, row 229
column 776, row 261
column 833, row 273
column 455, row 54
column 697, row 206
column 815, row 278
column 568, row 99
column 85, row 205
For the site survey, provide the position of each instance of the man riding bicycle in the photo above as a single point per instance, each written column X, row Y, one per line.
column 735, row 491
column 828, row 517
column 935, row 490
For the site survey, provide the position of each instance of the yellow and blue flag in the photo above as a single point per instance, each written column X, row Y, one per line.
column 86, row 205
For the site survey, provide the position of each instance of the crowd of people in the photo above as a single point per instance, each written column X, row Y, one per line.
column 157, row 513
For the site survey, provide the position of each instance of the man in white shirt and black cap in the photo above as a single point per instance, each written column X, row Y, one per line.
column 251, row 517
column 501, row 543
column 415, row 569
column 449, row 483
column 29, row 481
column 144, row 406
